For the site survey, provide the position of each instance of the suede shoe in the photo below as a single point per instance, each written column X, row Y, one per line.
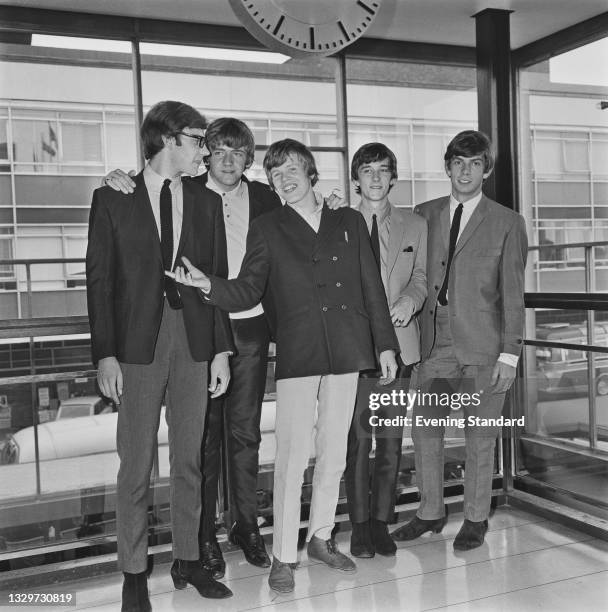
column 361, row 544
column 384, row 544
column 193, row 572
column 281, row 577
column 135, row 593
column 252, row 544
column 212, row 559
column 326, row 551
column 417, row 526
column 471, row 535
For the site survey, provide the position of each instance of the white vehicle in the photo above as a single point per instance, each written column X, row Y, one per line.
column 87, row 405
column 69, row 437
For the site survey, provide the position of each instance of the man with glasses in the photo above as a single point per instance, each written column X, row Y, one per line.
column 152, row 341
column 231, row 152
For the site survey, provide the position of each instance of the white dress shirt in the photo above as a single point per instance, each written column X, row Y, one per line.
column 154, row 183
column 468, row 208
column 312, row 218
column 235, row 207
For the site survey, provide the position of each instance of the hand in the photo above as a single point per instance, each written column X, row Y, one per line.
column 388, row 365
column 193, row 277
column 503, row 376
column 119, row 180
column 219, row 375
column 336, row 200
column 109, row 378
column 402, row 311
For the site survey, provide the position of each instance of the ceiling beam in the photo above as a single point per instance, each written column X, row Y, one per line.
column 569, row 38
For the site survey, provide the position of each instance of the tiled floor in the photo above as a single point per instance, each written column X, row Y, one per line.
column 525, row 564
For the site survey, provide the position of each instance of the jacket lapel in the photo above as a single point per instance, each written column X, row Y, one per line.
column 476, row 218
column 296, row 229
column 188, row 213
column 329, row 221
column 396, row 237
column 144, row 213
column 444, row 220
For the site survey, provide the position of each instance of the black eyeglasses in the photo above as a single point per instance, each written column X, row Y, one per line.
column 200, row 140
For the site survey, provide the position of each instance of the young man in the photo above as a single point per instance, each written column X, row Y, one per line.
column 398, row 240
column 151, row 339
column 331, row 312
column 472, row 329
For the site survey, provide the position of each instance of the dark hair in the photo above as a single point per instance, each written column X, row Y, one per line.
column 469, row 144
column 232, row 133
column 279, row 152
column 167, row 118
column 372, row 152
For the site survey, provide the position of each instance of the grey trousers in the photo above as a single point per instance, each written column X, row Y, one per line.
column 185, row 382
column 442, row 373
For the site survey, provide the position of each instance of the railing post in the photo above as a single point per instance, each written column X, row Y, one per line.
column 33, row 394
column 590, row 288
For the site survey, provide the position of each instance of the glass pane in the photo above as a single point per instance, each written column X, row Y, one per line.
column 563, row 170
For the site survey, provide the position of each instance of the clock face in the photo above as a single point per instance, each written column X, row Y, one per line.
column 303, row 27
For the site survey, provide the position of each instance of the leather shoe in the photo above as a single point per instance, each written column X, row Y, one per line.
column 193, row 572
column 212, row 559
column 417, row 526
column 252, row 543
column 281, row 577
column 361, row 544
column 326, row 551
column 384, row 544
column 471, row 535
column 135, row 593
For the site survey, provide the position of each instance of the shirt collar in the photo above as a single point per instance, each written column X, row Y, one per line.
column 154, row 181
column 381, row 213
column 236, row 192
column 469, row 204
column 299, row 209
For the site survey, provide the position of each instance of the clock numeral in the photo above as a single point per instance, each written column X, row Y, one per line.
column 366, row 8
column 312, row 37
column 343, row 30
column 278, row 26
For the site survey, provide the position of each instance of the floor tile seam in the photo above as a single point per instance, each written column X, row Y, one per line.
column 534, row 586
column 397, row 579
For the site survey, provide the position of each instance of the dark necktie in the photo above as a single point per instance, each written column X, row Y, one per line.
column 454, row 229
column 375, row 240
column 166, row 244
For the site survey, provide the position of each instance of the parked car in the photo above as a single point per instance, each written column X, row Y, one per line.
column 563, row 372
column 87, row 405
column 69, row 437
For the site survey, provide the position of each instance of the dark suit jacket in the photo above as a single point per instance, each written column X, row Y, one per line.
column 330, row 302
column 486, row 286
column 125, row 278
column 262, row 199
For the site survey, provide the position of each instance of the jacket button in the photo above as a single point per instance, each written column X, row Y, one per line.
column 443, row 263
column 436, row 287
column 320, row 285
column 324, row 309
column 338, row 284
column 344, row 306
column 334, row 258
column 430, row 312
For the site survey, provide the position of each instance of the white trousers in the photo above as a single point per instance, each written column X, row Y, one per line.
column 295, row 420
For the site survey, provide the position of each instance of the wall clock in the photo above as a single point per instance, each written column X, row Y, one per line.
column 301, row 28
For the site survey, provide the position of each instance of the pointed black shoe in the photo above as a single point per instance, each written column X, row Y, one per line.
column 135, row 593
column 212, row 559
column 193, row 572
column 417, row 526
column 383, row 543
column 252, row 544
column 361, row 544
column 471, row 535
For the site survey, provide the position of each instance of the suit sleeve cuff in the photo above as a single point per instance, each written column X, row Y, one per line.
column 509, row 359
